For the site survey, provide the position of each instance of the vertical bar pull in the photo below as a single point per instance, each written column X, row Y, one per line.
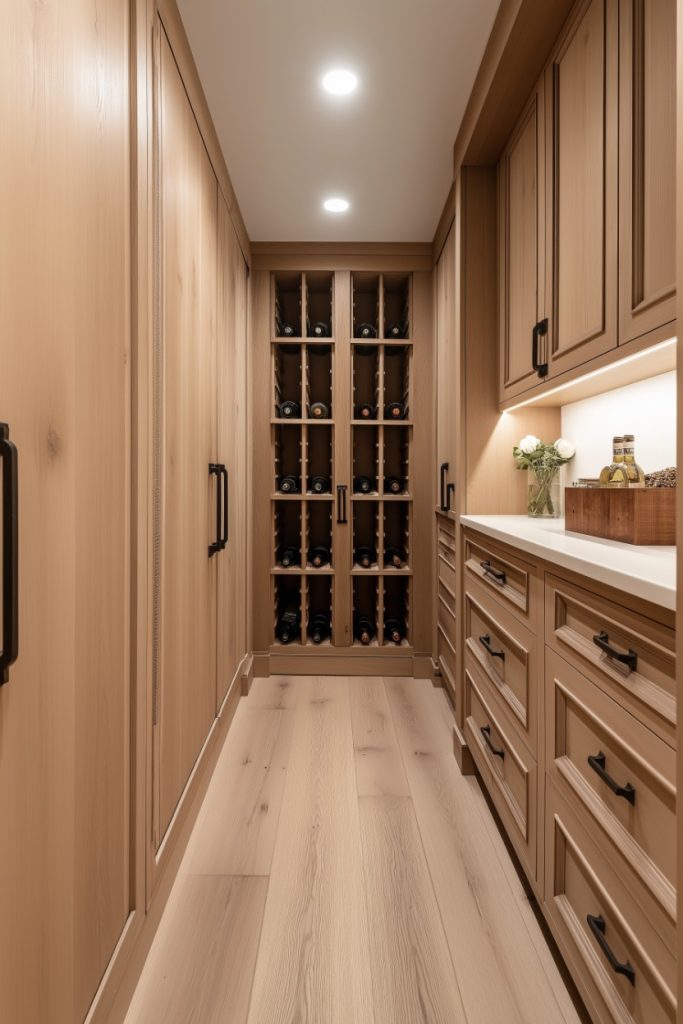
column 216, row 545
column 226, row 506
column 10, row 554
column 341, row 504
column 539, row 330
column 443, row 471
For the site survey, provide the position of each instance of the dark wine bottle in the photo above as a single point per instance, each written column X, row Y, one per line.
column 319, row 411
column 367, row 331
column 288, row 628
column 397, row 330
column 320, row 330
column 394, row 631
column 319, row 555
column 363, row 629
column 289, row 410
column 320, row 485
column 290, row 556
column 395, row 411
column 290, row 484
column 365, row 557
column 319, row 628
column 392, row 558
column 363, row 485
column 365, row 411
column 284, row 329
column 393, row 485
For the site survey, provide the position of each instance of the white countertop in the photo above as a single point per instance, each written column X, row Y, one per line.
column 645, row 572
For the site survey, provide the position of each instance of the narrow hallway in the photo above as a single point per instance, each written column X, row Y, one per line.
column 343, row 870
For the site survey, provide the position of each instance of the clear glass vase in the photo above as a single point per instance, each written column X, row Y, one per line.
column 544, row 493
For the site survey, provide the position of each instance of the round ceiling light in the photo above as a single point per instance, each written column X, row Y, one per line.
column 336, row 205
column 340, row 82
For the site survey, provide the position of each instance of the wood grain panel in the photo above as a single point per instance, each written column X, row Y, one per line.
column 379, row 765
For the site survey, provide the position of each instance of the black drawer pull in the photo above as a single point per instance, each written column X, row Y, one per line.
column 597, row 926
column 601, row 640
column 485, row 642
column 497, row 574
column 485, row 730
column 597, row 763
column 341, row 504
column 217, row 545
column 9, row 538
column 442, row 472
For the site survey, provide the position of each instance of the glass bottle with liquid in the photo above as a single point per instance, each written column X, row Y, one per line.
column 616, row 474
column 636, row 476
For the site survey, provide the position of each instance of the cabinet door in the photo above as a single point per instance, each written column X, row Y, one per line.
column 185, row 666
column 583, row 139
column 647, row 166
column 521, row 199
column 65, row 357
column 232, row 444
column 445, row 360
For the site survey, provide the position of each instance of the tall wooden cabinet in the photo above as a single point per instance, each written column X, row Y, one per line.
column 66, row 743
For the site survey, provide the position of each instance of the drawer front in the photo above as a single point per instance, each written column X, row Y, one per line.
column 507, row 768
column 506, row 652
column 599, row 637
column 446, row 651
column 445, row 602
column 597, row 927
column 593, row 747
column 513, row 582
column 446, row 573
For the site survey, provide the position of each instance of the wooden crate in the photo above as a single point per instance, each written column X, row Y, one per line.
column 632, row 515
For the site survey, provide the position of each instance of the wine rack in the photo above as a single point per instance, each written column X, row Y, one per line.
column 342, row 383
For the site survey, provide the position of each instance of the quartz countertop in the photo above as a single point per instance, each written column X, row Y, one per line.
column 646, row 572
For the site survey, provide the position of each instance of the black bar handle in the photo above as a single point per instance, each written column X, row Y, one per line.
column 485, row 730
column 10, row 553
column 226, row 506
column 539, row 330
column 601, row 640
column 215, row 546
column 449, row 491
column 598, row 762
column 497, row 574
column 598, row 927
column 485, row 642
column 443, row 471
column 341, row 504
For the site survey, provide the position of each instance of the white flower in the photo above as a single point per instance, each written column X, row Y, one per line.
column 565, row 449
column 529, row 444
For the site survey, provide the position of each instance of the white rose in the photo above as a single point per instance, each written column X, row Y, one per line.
column 529, row 444
column 565, row 449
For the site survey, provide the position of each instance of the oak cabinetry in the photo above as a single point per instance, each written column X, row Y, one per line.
column 445, row 371
column 446, row 615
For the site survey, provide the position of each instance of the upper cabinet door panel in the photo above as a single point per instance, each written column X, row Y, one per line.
column 445, row 355
column 647, row 130
column 521, row 247
column 583, row 78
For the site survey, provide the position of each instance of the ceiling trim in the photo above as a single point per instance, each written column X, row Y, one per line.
column 378, row 256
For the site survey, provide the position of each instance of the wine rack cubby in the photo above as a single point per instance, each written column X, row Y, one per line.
column 287, row 458
column 287, row 536
column 318, row 291
column 365, row 460
column 396, row 610
column 318, row 382
column 366, row 608
column 319, row 459
column 396, row 292
column 287, row 305
column 396, row 461
column 396, row 539
column 366, row 382
column 366, row 306
column 289, row 618
column 396, row 390
column 287, row 378
column 318, row 535
column 318, row 592
column 366, row 536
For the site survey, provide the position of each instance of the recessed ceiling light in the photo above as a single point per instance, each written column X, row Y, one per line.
column 336, row 205
column 340, row 82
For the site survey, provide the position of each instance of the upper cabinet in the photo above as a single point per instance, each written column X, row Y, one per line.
column 586, row 197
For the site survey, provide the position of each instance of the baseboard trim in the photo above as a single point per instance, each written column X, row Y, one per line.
column 309, row 663
column 462, row 753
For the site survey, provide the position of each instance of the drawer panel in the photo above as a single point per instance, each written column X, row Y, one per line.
column 514, row 583
column 581, row 883
column 446, row 649
column 446, row 573
column 507, row 768
column 507, row 653
column 584, row 627
column 446, row 599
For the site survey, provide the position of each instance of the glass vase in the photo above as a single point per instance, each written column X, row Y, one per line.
column 544, row 494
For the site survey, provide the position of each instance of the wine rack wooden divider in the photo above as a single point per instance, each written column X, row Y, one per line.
column 361, row 356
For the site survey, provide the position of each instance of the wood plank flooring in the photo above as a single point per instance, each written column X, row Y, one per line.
column 342, row 871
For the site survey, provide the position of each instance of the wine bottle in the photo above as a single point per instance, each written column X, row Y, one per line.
column 319, row 411
column 288, row 626
column 320, row 485
column 363, row 629
column 367, row 331
column 365, row 411
column 319, row 555
column 394, row 631
column 290, row 556
column 320, row 330
column 290, row 484
column 615, row 474
column 395, row 411
column 289, row 410
column 392, row 558
column 365, row 557
column 393, row 485
column 284, row 329
column 636, row 476
column 319, row 628
column 363, row 485
column 397, row 330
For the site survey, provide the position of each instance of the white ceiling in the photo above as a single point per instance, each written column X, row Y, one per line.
column 288, row 145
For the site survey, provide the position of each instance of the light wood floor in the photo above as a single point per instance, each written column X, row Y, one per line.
column 342, row 871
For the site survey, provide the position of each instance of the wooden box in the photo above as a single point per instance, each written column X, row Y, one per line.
column 632, row 515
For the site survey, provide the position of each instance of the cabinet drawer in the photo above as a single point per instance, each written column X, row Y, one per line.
column 445, row 602
column 584, row 628
column 593, row 744
column 446, row 573
column 507, row 768
column 514, row 583
column 581, row 884
column 445, row 536
column 445, row 649
column 506, row 652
